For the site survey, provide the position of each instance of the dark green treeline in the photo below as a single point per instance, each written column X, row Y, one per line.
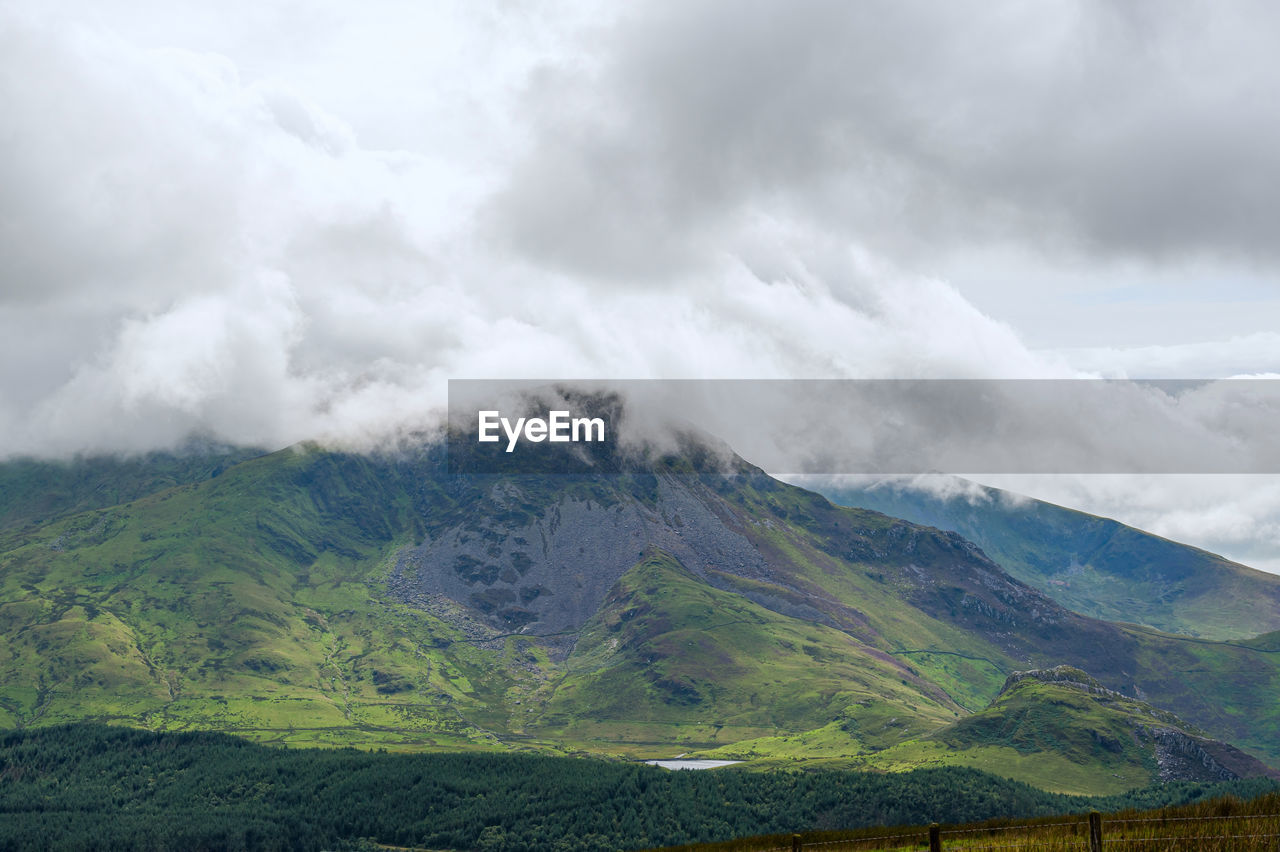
column 94, row 787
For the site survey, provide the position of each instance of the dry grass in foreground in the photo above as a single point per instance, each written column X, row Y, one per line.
column 1219, row 825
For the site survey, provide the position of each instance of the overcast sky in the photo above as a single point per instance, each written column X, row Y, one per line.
column 272, row 220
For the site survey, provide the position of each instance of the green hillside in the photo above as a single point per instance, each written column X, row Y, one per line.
column 1057, row 729
column 311, row 597
column 1060, row 730
column 1095, row 566
column 246, row 603
column 671, row 660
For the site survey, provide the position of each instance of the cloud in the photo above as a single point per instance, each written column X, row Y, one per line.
column 703, row 193
column 189, row 251
column 939, row 485
column 1241, row 355
column 1080, row 128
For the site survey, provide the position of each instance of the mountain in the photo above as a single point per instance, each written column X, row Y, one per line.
column 1095, row 566
column 309, row 596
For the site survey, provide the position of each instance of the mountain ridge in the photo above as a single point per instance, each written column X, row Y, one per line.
column 285, row 599
column 1093, row 565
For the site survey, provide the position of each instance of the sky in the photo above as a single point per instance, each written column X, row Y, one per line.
column 273, row 221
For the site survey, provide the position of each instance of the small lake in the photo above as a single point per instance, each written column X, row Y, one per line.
column 691, row 764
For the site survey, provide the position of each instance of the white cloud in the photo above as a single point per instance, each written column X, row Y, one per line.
column 1243, row 355
column 241, row 265
column 1078, row 128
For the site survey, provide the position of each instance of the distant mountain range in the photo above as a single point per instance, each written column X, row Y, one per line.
column 309, row 596
column 1095, row 566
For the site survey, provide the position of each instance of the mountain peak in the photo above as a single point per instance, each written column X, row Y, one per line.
column 1061, row 675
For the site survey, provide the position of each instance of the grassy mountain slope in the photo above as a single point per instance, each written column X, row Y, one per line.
column 928, row 599
column 1095, row 566
column 1060, row 730
column 964, row 610
column 315, row 597
column 247, row 603
column 667, row 649
column 1056, row 729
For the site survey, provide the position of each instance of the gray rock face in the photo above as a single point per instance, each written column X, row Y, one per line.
column 551, row 574
column 1183, row 758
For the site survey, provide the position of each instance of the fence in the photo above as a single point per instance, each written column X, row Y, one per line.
column 1226, row 833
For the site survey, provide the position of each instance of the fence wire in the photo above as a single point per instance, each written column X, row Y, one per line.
column 1125, row 831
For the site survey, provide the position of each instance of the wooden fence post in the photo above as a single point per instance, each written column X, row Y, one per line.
column 1095, row 832
column 795, row 843
column 935, row 838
